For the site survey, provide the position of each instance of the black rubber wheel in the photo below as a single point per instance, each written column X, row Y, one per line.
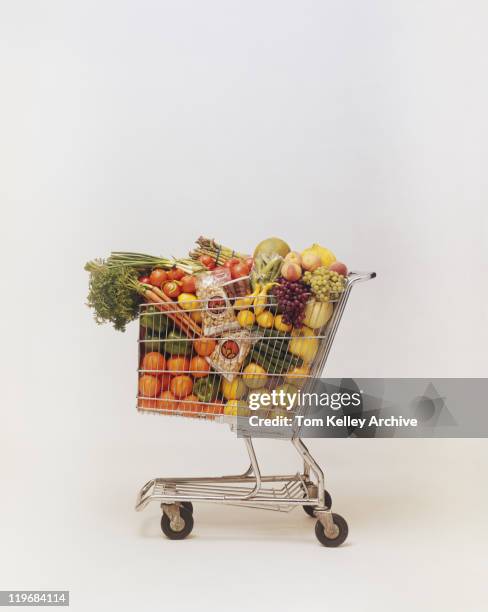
column 188, row 506
column 341, row 536
column 310, row 510
column 170, row 533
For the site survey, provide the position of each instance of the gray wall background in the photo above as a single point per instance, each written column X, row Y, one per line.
column 140, row 125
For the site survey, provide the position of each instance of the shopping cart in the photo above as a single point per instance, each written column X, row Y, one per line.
column 159, row 333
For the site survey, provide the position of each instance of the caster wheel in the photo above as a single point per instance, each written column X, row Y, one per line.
column 337, row 540
column 180, row 528
column 310, row 510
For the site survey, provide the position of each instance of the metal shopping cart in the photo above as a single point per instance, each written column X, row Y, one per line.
column 190, row 364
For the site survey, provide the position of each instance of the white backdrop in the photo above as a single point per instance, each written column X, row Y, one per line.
column 141, row 125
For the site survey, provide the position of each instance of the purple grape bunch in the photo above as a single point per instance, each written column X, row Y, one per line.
column 292, row 297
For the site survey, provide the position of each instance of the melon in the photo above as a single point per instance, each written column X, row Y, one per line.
column 272, row 246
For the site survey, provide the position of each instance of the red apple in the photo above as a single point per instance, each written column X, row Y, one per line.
column 338, row 267
column 291, row 271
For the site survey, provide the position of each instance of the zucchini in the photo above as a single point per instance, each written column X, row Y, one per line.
column 267, row 332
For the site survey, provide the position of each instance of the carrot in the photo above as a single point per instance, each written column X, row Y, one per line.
column 182, row 322
column 179, row 312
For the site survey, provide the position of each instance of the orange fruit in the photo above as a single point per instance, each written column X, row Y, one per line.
column 153, row 361
column 199, row 367
column 165, row 381
column 167, row 401
column 177, row 364
column 181, row 386
column 204, row 346
column 149, row 386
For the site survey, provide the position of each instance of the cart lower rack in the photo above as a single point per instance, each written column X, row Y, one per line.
column 251, row 489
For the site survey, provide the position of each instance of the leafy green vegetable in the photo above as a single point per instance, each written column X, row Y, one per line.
column 112, row 294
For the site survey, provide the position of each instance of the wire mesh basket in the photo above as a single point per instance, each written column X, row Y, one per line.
column 183, row 372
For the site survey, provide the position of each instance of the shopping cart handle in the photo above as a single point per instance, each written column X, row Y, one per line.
column 359, row 277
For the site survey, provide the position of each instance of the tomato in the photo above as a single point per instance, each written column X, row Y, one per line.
column 249, row 262
column 145, row 279
column 199, row 367
column 191, row 403
column 149, row 386
column 171, row 289
column 167, row 401
column 207, row 261
column 181, row 386
column 165, row 381
column 204, row 346
column 177, row 364
column 239, row 270
column 231, row 262
column 144, row 402
column 158, row 277
column 175, row 274
column 153, row 361
column 188, row 284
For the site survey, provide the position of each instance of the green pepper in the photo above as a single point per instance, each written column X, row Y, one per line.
column 175, row 343
column 154, row 319
column 207, row 388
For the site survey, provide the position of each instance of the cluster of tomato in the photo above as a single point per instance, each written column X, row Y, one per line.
column 167, row 383
column 171, row 282
column 238, row 267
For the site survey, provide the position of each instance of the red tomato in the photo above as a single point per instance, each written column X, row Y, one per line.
column 232, row 262
column 145, row 279
column 239, row 270
column 249, row 263
column 158, row 277
column 165, row 381
column 172, row 289
column 175, row 274
column 207, row 261
column 188, row 284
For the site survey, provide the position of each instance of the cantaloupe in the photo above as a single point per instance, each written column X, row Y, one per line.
column 272, row 246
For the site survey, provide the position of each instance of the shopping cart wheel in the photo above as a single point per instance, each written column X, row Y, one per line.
column 342, row 531
column 178, row 529
column 310, row 510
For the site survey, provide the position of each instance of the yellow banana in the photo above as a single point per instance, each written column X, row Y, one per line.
column 262, row 299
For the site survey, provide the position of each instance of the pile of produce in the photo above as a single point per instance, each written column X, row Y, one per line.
column 219, row 324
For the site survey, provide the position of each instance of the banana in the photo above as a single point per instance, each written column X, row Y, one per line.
column 261, row 299
column 247, row 302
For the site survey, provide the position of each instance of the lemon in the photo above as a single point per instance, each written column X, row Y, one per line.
column 188, row 301
column 265, row 319
column 280, row 325
column 233, row 390
column 327, row 257
column 246, row 318
column 298, row 375
column 254, row 376
column 236, row 408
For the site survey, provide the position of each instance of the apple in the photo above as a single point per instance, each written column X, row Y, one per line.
column 291, row 271
column 338, row 267
column 311, row 261
column 294, row 257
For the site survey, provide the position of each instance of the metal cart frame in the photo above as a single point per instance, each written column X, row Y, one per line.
column 252, row 489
